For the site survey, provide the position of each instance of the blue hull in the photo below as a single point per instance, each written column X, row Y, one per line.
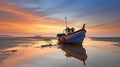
column 75, row 38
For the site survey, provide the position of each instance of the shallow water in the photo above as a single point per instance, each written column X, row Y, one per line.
column 94, row 53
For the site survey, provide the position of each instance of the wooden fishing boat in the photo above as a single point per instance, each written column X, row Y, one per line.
column 74, row 37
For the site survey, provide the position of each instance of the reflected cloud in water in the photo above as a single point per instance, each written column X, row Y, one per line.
column 101, row 54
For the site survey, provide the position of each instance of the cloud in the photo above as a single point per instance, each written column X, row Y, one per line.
column 44, row 16
column 20, row 21
column 110, row 28
column 10, row 17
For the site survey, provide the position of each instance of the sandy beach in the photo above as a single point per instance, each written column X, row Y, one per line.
column 100, row 53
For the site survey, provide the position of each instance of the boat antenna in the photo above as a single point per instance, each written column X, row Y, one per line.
column 66, row 21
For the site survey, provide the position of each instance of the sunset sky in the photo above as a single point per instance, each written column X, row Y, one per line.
column 46, row 17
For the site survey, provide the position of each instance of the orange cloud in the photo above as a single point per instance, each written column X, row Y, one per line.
column 32, row 25
column 109, row 28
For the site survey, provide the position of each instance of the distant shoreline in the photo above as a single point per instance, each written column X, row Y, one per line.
column 28, row 37
column 117, row 39
column 107, row 39
column 103, row 37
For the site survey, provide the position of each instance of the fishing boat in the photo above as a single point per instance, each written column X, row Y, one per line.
column 72, row 37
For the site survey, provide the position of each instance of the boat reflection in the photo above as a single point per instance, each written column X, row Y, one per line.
column 74, row 51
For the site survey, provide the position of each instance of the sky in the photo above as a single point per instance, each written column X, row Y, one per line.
column 46, row 17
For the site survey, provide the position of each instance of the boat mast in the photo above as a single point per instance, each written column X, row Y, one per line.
column 66, row 21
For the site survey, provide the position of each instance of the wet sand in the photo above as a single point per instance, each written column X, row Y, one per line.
column 100, row 53
column 108, row 39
